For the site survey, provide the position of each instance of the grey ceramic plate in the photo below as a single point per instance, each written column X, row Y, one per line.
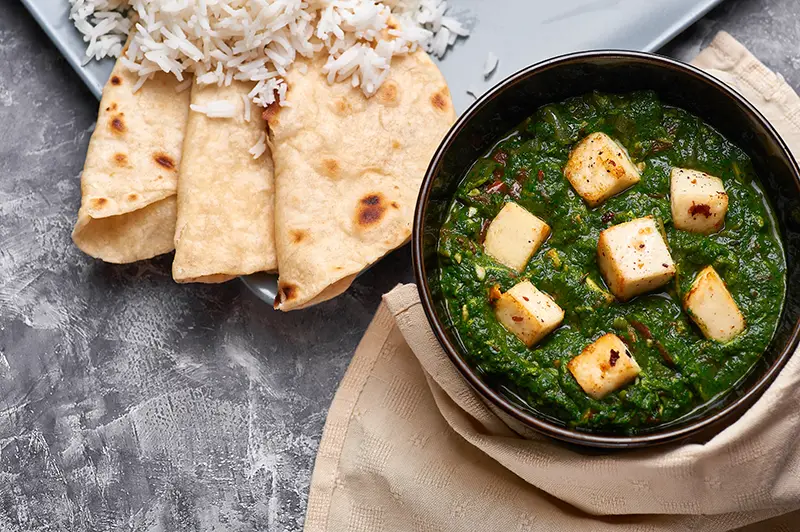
column 519, row 32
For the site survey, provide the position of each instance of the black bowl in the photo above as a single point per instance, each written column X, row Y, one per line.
column 676, row 83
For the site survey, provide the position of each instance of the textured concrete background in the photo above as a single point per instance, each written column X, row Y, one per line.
column 128, row 402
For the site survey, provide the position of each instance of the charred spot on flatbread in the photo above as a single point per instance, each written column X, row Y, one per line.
column 348, row 105
column 370, row 210
column 286, row 293
column 164, row 160
column 99, row 203
column 117, row 124
column 342, row 107
column 133, row 196
column 116, row 80
column 112, row 107
column 120, row 159
column 441, row 99
column 389, row 93
column 396, row 145
column 331, row 168
column 297, row 235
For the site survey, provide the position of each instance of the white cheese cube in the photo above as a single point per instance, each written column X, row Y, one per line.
column 604, row 366
column 599, row 168
column 712, row 308
column 698, row 200
column 634, row 258
column 528, row 313
column 514, row 236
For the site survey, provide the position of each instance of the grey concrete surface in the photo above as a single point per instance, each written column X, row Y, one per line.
column 128, row 402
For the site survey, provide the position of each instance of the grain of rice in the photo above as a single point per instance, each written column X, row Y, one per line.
column 490, row 65
column 247, row 104
column 216, row 109
column 259, row 147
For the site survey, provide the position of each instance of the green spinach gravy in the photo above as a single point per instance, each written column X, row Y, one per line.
column 680, row 369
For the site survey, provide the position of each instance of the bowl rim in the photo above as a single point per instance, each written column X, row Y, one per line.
column 540, row 424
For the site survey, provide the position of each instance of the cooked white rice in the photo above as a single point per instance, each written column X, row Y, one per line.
column 219, row 41
column 103, row 25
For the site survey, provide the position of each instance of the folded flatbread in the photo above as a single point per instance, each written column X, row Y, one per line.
column 347, row 172
column 129, row 180
column 225, row 195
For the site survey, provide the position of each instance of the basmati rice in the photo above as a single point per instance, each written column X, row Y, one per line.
column 247, row 104
column 219, row 41
column 216, row 109
column 260, row 147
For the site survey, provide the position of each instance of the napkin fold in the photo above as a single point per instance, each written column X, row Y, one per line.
column 409, row 446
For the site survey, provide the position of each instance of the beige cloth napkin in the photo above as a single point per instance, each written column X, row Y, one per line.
column 409, row 446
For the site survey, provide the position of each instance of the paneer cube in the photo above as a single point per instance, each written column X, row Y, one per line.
column 634, row 258
column 604, row 366
column 699, row 201
column 712, row 308
column 514, row 236
column 599, row 168
column 528, row 313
